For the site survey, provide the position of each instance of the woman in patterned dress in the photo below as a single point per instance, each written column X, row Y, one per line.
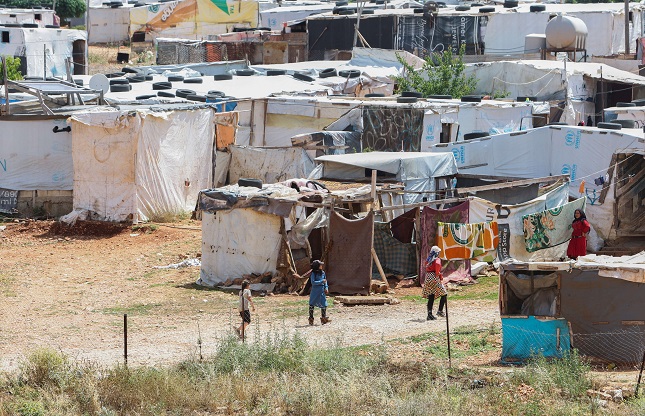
column 433, row 285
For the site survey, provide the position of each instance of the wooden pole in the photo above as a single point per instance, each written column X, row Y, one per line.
column 125, row 338
column 640, row 375
column 448, row 334
column 373, row 188
column 378, row 266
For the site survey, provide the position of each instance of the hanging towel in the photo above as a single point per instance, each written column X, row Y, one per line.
column 550, row 228
column 468, row 241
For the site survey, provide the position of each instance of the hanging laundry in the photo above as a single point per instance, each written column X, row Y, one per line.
column 468, row 241
column 455, row 271
column 551, row 227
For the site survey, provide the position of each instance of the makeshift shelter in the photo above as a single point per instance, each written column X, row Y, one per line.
column 585, row 154
column 276, row 17
column 265, row 246
column 270, row 165
column 591, row 86
column 41, row 17
column 140, row 164
column 192, row 19
column 593, row 305
column 47, row 50
column 480, row 30
column 109, row 24
column 418, row 171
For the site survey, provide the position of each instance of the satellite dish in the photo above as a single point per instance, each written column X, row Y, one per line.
column 100, row 82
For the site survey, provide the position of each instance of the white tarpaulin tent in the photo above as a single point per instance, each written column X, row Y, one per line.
column 33, row 157
column 417, row 170
column 626, row 113
column 41, row 47
column 581, row 152
column 545, row 79
column 229, row 250
column 139, row 164
column 276, row 18
column 109, row 24
column 271, row 165
column 605, row 23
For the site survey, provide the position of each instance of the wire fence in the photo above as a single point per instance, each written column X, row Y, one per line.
column 620, row 347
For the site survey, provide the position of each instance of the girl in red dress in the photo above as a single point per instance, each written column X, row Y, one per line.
column 578, row 243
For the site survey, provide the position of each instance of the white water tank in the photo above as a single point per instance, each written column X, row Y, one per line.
column 566, row 32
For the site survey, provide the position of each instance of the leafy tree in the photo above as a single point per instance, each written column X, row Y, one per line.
column 67, row 9
column 441, row 74
column 13, row 69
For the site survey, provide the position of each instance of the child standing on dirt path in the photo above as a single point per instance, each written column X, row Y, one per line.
column 319, row 289
column 245, row 314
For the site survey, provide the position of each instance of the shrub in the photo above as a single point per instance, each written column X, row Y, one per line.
column 441, row 74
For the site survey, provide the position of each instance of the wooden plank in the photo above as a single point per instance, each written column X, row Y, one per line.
column 633, row 322
column 512, row 184
column 378, row 266
column 362, row 300
column 425, row 204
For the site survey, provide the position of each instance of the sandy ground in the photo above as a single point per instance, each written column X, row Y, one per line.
column 69, row 289
column 70, row 292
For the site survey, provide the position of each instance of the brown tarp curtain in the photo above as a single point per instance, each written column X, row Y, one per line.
column 349, row 260
column 403, row 226
column 457, row 271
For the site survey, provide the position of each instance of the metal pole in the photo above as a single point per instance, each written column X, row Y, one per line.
column 44, row 62
column 448, row 334
column 125, row 338
column 6, row 85
column 626, row 27
column 640, row 374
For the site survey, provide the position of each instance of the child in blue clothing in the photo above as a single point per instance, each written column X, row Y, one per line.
column 319, row 289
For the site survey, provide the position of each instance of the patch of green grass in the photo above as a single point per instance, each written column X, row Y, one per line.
column 145, row 228
column 465, row 342
column 6, row 286
column 486, row 288
column 138, row 309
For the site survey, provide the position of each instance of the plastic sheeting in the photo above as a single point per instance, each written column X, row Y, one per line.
column 416, row 170
column 238, row 242
column 271, row 165
column 28, row 43
column 108, row 25
column 526, row 337
column 300, row 232
column 141, row 164
column 32, row 157
column 403, row 165
column 276, row 18
column 606, row 28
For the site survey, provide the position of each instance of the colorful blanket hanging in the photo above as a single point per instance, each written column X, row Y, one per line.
column 550, row 228
column 468, row 241
column 456, row 271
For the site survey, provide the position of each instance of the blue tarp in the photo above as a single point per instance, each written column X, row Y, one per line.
column 524, row 337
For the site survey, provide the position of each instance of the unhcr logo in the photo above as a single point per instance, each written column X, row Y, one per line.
column 572, row 138
column 570, row 170
column 460, row 154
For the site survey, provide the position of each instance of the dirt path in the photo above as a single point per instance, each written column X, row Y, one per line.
column 69, row 292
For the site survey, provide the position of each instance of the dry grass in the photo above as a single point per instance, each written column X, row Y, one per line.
column 282, row 375
column 102, row 58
